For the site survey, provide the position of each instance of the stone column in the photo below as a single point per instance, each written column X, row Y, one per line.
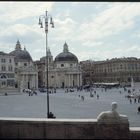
column 66, row 80
column 25, row 81
column 55, row 79
column 77, row 79
column 72, row 79
column 69, row 79
column 33, row 81
column 80, row 80
column 36, row 81
column 30, row 81
column 21, row 84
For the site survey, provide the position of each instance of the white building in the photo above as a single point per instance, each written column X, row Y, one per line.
column 64, row 71
column 26, row 74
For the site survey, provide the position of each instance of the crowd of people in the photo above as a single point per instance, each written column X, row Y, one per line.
column 30, row 92
column 130, row 94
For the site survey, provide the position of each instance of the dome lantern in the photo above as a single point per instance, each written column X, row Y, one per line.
column 18, row 46
column 65, row 48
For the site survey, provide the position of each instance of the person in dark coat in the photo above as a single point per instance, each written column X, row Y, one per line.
column 51, row 115
column 138, row 109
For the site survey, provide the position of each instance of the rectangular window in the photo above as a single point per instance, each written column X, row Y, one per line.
column 3, row 83
column 3, row 68
column 10, row 83
column 3, row 60
column 10, row 68
column 10, row 60
column 10, row 75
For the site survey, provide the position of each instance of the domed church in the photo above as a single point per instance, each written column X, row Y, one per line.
column 26, row 74
column 65, row 71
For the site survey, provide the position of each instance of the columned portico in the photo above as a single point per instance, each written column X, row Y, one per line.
column 26, row 72
column 67, row 80
column 65, row 70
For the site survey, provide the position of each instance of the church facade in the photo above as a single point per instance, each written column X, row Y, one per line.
column 26, row 73
column 64, row 71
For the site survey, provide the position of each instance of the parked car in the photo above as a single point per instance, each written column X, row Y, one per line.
column 27, row 90
column 42, row 90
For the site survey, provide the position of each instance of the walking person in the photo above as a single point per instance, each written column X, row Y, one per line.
column 139, row 99
column 130, row 101
column 97, row 96
column 138, row 110
column 82, row 98
column 135, row 100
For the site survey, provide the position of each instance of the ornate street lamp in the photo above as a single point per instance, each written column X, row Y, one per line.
column 46, row 18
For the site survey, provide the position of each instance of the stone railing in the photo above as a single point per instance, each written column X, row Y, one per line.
column 108, row 125
column 9, row 90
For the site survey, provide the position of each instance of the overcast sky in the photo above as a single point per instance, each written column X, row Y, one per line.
column 92, row 30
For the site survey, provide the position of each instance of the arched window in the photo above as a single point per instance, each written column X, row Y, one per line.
column 3, row 77
column 62, row 65
column 71, row 65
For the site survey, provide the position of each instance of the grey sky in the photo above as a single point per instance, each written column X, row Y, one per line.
column 92, row 30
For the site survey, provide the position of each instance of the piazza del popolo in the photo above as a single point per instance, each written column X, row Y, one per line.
column 18, row 71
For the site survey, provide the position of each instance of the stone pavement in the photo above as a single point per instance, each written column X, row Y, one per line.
column 69, row 105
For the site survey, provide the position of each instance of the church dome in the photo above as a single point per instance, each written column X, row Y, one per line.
column 20, row 54
column 49, row 55
column 66, row 55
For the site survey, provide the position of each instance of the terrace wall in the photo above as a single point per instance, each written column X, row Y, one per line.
column 29, row 128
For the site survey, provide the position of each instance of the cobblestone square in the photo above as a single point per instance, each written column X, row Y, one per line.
column 70, row 105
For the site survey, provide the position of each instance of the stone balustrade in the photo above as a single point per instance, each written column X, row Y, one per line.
column 108, row 125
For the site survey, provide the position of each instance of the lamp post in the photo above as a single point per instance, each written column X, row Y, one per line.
column 46, row 18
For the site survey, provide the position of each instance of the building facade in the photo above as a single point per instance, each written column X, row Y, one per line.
column 18, row 71
column 7, row 74
column 26, row 73
column 119, row 70
column 87, row 71
column 64, row 71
